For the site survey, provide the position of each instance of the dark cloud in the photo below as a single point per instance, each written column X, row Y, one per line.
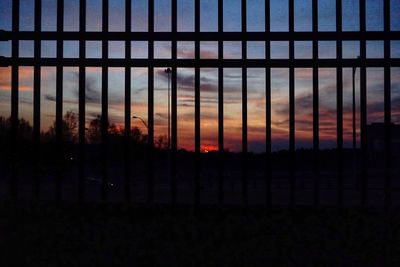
column 256, row 129
column 50, row 98
column 186, row 105
column 208, row 87
column 396, row 102
column 65, row 101
column 282, row 123
column 185, row 81
column 93, row 115
column 377, row 108
column 139, row 91
column 203, row 116
column 92, row 93
column 304, row 102
column 233, row 76
column 204, row 100
column 25, row 100
column 205, row 79
column 160, row 73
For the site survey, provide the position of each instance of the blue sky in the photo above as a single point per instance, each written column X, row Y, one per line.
column 232, row 77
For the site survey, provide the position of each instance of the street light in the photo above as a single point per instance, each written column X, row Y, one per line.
column 354, row 107
column 168, row 71
column 354, row 125
column 139, row 118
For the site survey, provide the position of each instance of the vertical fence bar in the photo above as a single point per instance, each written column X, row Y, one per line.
column 292, row 152
column 82, row 100
column 315, row 104
column 174, row 109
column 150, row 106
column 36, row 100
column 363, row 107
column 387, row 108
column 244, row 110
column 151, row 63
column 197, row 104
column 339, row 106
column 14, row 101
column 220, row 106
column 104, row 106
column 127, row 132
column 59, row 100
column 268, row 130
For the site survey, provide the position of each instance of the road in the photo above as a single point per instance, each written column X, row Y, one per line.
column 209, row 185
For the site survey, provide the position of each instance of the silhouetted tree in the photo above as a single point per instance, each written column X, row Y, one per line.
column 94, row 130
column 4, row 125
column 24, row 128
column 69, row 129
column 95, row 127
column 161, row 142
column 114, row 131
column 4, row 132
column 24, row 138
column 137, row 136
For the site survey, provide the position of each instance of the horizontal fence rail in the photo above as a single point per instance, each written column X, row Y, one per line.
column 204, row 63
column 150, row 62
column 202, row 36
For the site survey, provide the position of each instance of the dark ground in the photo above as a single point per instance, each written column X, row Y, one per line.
column 91, row 235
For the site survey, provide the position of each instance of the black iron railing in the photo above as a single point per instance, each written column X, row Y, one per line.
column 15, row 35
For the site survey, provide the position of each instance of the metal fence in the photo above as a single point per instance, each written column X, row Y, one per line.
column 197, row 63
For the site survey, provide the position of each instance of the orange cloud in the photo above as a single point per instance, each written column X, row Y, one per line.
column 25, row 78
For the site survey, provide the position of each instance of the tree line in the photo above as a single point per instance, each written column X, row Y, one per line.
column 70, row 134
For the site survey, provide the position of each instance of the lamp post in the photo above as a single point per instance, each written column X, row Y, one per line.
column 139, row 118
column 168, row 71
column 144, row 123
column 354, row 126
column 354, row 107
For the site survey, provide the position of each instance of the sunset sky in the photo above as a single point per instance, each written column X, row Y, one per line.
column 209, row 76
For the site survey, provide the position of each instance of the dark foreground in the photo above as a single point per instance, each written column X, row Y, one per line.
column 46, row 235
